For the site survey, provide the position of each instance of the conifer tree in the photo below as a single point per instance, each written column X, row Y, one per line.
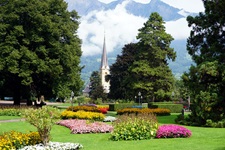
column 206, row 79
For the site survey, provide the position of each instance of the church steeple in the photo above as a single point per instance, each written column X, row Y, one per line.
column 104, row 60
column 104, row 69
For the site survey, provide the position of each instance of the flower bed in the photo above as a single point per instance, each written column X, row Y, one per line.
column 172, row 131
column 82, row 115
column 88, row 108
column 84, row 126
column 157, row 111
column 55, row 146
column 15, row 140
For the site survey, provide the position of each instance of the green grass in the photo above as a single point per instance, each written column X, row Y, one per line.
column 9, row 117
column 201, row 139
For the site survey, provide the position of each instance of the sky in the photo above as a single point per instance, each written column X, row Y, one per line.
column 120, row 27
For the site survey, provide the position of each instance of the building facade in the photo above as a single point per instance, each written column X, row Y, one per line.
column 104, row 69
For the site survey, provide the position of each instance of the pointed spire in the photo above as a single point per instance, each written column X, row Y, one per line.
column 104, row 61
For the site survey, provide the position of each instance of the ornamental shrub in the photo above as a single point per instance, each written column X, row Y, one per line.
column 134, row 127
column 89, row 108
column 43, row 119
column 16, row 140
column 157, row 111
column 172, row 131
column 82, row 115
column 12, row 110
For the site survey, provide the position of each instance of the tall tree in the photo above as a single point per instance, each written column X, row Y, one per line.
column 119, row 88
column 150, row 73
column 206, row 79
column 97, row 90
column 39, row 48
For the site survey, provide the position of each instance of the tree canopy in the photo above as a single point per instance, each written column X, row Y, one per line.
column 39, row 48
column 206, row 79
column 147, row 70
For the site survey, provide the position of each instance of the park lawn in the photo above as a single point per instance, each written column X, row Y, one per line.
column 202, row 138
column 9, row 117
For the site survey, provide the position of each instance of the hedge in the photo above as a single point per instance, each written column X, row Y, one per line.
column 174, row 108
column 115, row 107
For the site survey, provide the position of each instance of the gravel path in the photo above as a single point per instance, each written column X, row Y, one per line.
column 12, row 120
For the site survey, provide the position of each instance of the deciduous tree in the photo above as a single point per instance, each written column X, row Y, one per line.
column 39, row 48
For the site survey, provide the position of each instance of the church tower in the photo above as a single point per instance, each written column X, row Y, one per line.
column 104, row 69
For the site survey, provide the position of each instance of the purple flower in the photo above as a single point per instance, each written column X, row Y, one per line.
column 172, row 131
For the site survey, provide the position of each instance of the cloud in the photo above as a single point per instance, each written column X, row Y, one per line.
column 120, row 28
column 188, row 5
column 178, row 29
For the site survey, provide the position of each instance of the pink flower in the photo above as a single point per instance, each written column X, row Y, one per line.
column 172, row 131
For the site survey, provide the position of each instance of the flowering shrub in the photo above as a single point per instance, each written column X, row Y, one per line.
column 157, row 111
column 103, row 106
column 43, row 119
column 172, row 131
column 134, row 127
column 84, row 126
column 88, row 108
column 82, row 115
column 103, row 110
column 15, row 140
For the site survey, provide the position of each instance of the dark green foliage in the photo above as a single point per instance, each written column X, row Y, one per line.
column 39, row 49
column 115, row 107
column 206, row 79
column 143, row 66
column 97, row 90
column 119, row 88
column 174, row 108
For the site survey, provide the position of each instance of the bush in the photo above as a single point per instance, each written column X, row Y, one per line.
column 88, row 108
column 134, row 127
column 115, row 107
column 157, row 111
column 172, row 131
column 16, row 140
column 12, row 110
column 219, row 124
column 84, row 126
column 82, row 115
column 174, row 108
column 43, row 119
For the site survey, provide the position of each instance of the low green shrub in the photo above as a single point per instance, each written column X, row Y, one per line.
column 12, row 110
column 115, row 107
column 174, row 108
column 43, row 119
column 134, row 127
column 89, row 108
column 16, row 140
column 156, row 111
column 219, row 124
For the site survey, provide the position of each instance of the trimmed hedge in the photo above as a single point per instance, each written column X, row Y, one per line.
column 156, row 111
column 115, row 107
column 174, row 108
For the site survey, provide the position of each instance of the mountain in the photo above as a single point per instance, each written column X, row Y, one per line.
column 83, row 7
column 86, row 7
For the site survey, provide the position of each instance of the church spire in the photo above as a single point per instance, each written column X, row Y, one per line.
column 104, row 60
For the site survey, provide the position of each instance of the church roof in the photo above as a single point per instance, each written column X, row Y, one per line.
column 104, row 60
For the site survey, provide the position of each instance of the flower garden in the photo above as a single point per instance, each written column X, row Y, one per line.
column 77, row 127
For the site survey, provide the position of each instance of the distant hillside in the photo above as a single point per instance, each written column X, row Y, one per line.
column 169, row 13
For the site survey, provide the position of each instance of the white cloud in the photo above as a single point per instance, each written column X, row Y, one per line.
column 188, row 5
column 178, row 29
column 121, row 28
